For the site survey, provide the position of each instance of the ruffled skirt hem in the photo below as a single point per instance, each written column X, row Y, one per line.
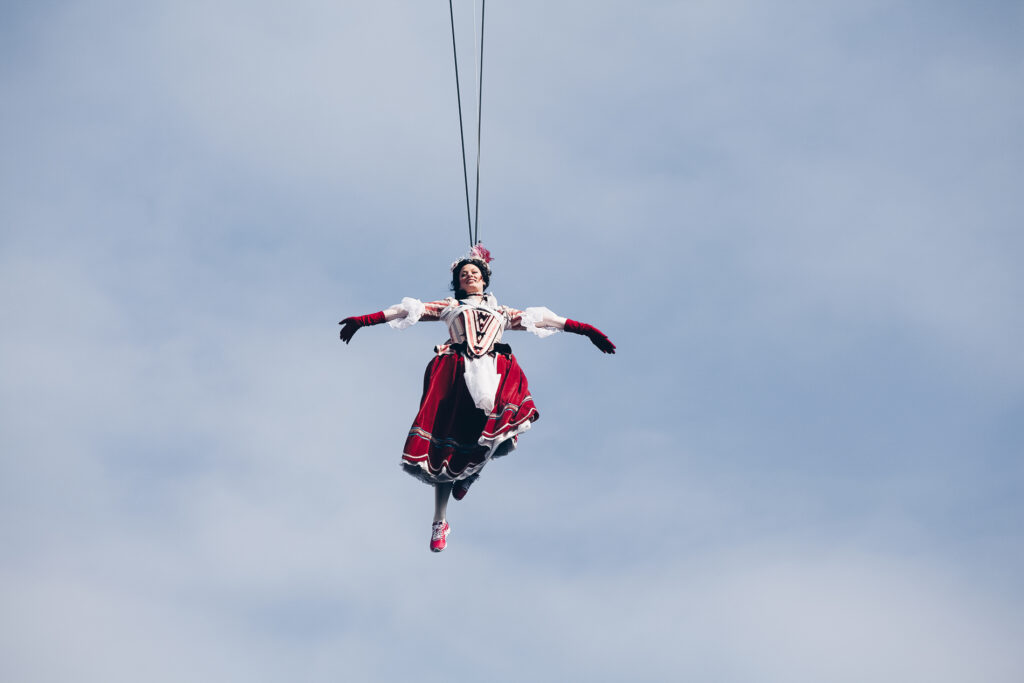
column 420, row 467
column 451, row 439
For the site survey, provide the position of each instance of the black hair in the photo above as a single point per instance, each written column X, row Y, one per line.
column 485, row 271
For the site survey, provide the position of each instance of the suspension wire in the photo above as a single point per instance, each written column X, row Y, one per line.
column 462, row 137
column 476, row 44
column 479, row 118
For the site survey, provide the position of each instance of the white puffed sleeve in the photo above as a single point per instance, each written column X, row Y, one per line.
column 540, row 321
column 405, row 314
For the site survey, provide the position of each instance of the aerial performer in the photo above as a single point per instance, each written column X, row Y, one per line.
column 476, row 401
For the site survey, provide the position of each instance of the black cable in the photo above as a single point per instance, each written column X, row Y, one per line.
column 479, row 121
column 462, row 137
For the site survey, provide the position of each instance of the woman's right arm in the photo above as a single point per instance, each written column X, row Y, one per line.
column 400, row 316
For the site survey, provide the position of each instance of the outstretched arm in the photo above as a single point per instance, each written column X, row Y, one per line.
column 351, row 325
column 534, row 318
column 598, row 337
column 429, row 311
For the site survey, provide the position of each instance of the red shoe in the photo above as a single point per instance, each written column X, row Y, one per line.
column 439, row 536
column 460, row 489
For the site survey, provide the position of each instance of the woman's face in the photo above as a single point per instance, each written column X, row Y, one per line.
column 471, row 280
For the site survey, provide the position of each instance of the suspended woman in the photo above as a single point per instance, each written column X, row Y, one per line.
column 476, row 401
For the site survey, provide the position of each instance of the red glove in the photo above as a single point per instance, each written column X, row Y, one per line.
column 355, row 322
column 597, row 336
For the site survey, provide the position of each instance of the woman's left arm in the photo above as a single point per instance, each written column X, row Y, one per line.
column 599, row 338
column 542, row 322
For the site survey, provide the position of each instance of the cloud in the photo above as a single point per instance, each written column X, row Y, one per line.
column 794, row 224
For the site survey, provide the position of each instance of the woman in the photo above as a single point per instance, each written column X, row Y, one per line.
column 476, row 400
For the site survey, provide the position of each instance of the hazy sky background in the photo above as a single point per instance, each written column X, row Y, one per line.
column 799, row 221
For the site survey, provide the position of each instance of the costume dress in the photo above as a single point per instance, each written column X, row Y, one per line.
column 476, row 400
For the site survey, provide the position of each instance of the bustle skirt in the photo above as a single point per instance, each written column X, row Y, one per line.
column 451, row 439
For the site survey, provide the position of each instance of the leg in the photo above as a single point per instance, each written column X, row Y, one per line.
column 461, row 487
column 442, row 492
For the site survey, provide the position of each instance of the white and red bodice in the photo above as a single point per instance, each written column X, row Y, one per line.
column 474, row 327
column 478, row 326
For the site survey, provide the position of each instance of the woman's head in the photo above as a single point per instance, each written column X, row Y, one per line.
column 470, row 276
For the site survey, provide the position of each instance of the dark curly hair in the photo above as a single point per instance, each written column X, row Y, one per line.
column 485, row 271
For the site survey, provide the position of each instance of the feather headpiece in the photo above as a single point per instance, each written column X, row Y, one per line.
column 478, row 254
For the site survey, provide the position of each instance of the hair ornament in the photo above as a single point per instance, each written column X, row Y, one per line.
column 479, row 253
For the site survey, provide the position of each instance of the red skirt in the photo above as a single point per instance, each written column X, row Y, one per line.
column 451, row 438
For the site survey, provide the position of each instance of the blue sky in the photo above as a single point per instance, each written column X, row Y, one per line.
column 799, row 221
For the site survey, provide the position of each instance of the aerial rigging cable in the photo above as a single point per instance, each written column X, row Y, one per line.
column 479, row 118
column 473, row 218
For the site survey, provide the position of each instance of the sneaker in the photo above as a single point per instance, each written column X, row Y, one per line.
column 439, row 536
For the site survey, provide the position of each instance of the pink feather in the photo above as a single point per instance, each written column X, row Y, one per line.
column 480, row 251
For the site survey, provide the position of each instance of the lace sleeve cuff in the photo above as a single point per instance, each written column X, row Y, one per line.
column 534, row 320
column 413, row 309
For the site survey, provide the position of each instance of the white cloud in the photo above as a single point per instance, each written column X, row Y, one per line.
column 781, row 476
